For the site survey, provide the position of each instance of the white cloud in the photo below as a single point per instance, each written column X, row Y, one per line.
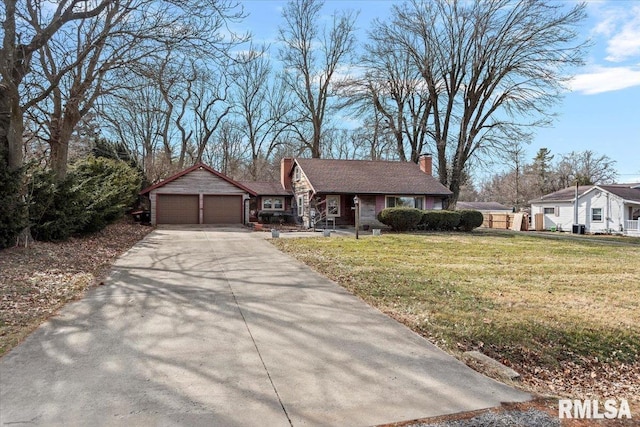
column 605, row 79
column 619, row 24
column 625, row 43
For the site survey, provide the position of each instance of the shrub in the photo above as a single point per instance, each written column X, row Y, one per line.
column 12, row 210
column 470, row 219
column 439, row 220
column 54, row 209
column 111, row 185
column 95, row 193
column 400, row 219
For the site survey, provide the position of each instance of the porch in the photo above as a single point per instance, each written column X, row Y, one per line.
column 632, row 228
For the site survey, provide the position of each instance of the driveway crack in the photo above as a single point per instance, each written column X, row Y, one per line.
column 255, row 345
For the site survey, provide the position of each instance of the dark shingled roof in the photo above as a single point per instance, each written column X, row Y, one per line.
column 625, row 191
column 629, row 192
column 564, row 195
column 263, row 188
column 483, row 206
column 369, row 177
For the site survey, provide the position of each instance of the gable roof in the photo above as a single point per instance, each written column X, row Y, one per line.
column 193, row 168
column 628, row 192
column 565, row 195
column 264, row 188
column 369, row 177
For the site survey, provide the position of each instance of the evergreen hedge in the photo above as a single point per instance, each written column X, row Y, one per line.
column 96, row 192
column 400, row 219
column 470, row 219
column 13, row 217
column 439, row 220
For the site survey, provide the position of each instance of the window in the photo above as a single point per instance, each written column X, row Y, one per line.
column 549, row 211
column 405, row 202
column 297, row 174
column 596, row 214
column 300, row 205
column 273, row 203
column 333, row 205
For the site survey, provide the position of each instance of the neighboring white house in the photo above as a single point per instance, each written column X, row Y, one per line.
column 611, row 208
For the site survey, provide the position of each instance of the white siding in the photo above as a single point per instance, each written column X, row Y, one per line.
column 613, row 212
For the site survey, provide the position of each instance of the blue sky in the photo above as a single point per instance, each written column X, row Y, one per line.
column 600, row 113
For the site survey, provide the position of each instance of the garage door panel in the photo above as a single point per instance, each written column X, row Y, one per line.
column 177, row 209
column 222, row 210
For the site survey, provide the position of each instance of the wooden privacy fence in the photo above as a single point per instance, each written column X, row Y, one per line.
column 506, row 221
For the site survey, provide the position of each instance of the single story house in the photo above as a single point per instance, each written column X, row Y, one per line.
column 312, row 191
column 325, row 190
column 613, row 208
column 198, row 195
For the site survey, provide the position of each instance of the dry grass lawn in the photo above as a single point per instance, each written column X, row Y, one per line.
column 563, row 313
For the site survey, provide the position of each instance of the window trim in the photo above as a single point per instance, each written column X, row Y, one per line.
column 601, row 215
column 300, row 206
column 333, row 197
column 297, row 174
column 273, row 203
column 423, row 198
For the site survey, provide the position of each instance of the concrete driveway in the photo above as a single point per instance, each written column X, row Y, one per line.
column 216, row 327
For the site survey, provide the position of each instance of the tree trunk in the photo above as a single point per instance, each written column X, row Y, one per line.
column 61, row 131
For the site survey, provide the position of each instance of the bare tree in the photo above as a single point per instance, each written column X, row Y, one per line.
column 493, row 70
column 17, row 53
column 585, row 168
column 262, row 103
column 393, row 87
column 311, row 57
column 78, row 52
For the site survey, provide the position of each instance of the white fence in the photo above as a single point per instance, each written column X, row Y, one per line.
column 632, row 227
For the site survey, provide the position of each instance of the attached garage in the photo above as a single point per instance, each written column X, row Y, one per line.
column 198, row 195
column 177, row 209
column 222, row 210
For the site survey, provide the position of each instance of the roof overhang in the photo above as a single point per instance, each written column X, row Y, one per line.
column 197, row 166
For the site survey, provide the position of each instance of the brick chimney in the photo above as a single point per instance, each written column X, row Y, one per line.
column 285, row 168
column 426, row 163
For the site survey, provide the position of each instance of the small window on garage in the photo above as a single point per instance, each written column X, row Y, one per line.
column 596, row 214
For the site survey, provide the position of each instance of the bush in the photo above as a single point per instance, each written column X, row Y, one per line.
column 470, row 219
column 275, row 217
column 12, row 210
column 95, row 193
column 439, row 220
column 112, row 187
column 400, row 219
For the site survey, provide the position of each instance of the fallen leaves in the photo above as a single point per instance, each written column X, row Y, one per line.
column 37, row 280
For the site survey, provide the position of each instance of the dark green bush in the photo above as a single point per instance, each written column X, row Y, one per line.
column 470, row 219
column 112, row 187
column 400, row 219
column 12, row 209
column 95, row 193
column 439, row 220
column 55, row 211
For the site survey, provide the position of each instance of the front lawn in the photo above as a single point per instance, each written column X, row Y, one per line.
column 563, row 313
